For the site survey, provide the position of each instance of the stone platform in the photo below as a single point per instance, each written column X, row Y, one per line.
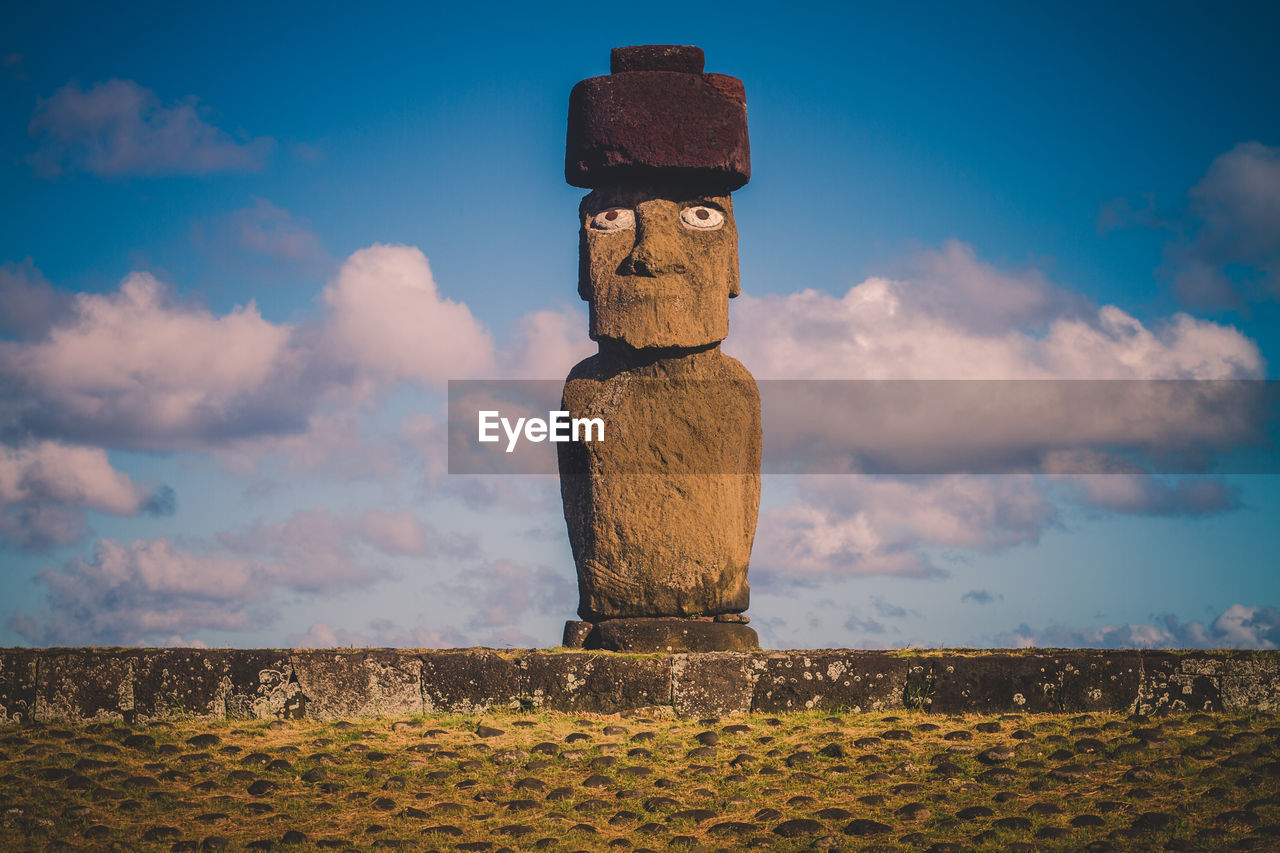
column 147, row 684
column 658, row 634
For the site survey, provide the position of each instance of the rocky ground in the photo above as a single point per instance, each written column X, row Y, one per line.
column 648, row 781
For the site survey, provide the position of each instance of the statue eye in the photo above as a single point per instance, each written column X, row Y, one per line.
column 702, row 218
column 614, row 219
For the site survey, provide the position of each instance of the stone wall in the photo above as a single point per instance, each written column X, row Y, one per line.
column 147, row 684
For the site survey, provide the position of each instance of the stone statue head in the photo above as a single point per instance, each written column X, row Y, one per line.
column 658, row 264
column 661, row 145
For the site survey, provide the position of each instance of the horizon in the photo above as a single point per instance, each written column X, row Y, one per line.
column 246, row 250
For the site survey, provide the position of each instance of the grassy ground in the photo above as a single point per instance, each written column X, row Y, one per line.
column 572, row 782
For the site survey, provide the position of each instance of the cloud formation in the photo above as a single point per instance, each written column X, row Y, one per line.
column 1238, row 627
column 140, row 368
column 117, row 128
column 942, row 325
column 1224, row 252
column 46, row 487
column 858, row 525
column 263, row 239
column 148, row 590
column 29, row 304
column 957, row 317
column 137, row 368
column 1232, row 254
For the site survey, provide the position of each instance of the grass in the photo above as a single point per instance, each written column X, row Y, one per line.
column 562, row 782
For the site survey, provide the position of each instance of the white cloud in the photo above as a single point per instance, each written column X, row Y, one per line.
column 941, row 325
column 141, row 369
column 1237, row 627
column 46, row 486
column 1145, row 494
column 858, row 525
column 136, row 368
column 130, row 593
column 117, row 128
column 395, row 532
column 546, row 344
column 956, row 317
column 150, row 589
column 388, row 321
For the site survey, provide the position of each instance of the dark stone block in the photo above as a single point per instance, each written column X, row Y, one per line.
column 858, row 681
column 260, row 684
column 85, row 684
column 179, row 683
column 1095, row 680
column 596, row 683
column 477, row 680
column 658, row 634
column 469, row 681
column 657, row 57
column 713, row 684
column 656, row 126
column 1178, row 683
column 17, row 685
column 994, row 682
column 575, row 633
column 369, row 683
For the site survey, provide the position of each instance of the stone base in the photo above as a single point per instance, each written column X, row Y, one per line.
column 661, row 635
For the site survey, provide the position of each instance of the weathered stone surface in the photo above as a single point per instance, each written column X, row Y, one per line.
column 474, row 681
column 595, row 683
column 990, row 682
column 1177, row 683
column 17, row 685
column 260, row 684
column 658, row 115
column 85, row 684
column 359, row 684
column 672, row 635
column 713, row 684
column 1249, row 682
column 860, row 681
column 1094, row 680
column 657, row 57
column 575, row 633
column 179, row 683
column 650, row 278
column 662, row 515
column 469, row 681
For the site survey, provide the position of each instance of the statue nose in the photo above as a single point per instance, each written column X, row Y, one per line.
column 655, row 253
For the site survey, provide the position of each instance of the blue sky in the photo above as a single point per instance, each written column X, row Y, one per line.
column 244, row 248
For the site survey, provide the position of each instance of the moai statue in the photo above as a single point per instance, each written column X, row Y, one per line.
column 662, row 512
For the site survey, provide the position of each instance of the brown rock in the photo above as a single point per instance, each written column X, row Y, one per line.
column 657, row 114
column 671, row 635
column 575, row 633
